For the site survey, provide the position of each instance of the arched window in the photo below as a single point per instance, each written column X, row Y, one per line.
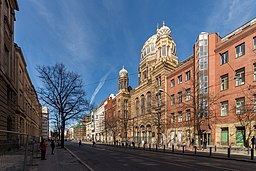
column 137, row 105
column 143, row 133
column 159, row 52
column 158, row 100
column 148, row 102
column 164, row 50
column 152, row 47
column 149, row 134
column 9, row 127
column 142, row 104
column 118, row 104
column 9, row 123
column 168, row 51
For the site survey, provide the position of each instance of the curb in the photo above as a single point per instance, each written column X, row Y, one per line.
column 83, row 163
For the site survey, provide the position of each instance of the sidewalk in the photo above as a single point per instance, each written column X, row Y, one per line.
column 62, row 160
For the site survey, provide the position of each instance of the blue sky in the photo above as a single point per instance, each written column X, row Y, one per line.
column 95, row 38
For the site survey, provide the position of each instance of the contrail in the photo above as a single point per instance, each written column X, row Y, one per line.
column 101, row 83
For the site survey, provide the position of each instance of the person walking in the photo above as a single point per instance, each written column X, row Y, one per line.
column 52, row 146
column 253, row 142
column 204, row 144
column 43, row 146
column 80, row 142
column 192, row 142
column 93, row 143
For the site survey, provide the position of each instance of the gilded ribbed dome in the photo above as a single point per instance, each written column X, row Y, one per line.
column 149, row 47
column 163, row 31
column 123, row 72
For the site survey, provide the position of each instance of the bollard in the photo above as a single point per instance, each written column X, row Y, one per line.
column 156, row 147
column 252, row 154
column 164, row 148
column 195, row 149
column 229, row 152
column 215, row 148
column 173, row 148
column 210, row 151
column 183, row 149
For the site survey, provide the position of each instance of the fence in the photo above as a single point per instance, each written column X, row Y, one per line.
column 210, row 151
column 17, row 150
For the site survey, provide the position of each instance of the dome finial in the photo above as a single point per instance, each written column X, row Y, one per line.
column 157, row 27
column 163, row 23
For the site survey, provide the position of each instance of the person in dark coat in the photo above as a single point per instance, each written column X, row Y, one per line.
column 43, row 146
column 52, row 146
column 204, row 144
column 253, row 142
column 192, row 142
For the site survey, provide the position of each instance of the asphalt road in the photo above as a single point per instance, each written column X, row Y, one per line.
column 106, row 158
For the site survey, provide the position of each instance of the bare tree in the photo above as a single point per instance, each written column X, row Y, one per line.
column 157, row 117
column 246, row 115
column 201, row 107
column 64, row 92
column 111, row 127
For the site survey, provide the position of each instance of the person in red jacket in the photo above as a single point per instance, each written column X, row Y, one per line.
column 43, row 146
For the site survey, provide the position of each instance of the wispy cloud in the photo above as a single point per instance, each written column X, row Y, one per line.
column 229, row 14
column 68, row 27
column 41, row 9
column 75, row 31
column 101, row 83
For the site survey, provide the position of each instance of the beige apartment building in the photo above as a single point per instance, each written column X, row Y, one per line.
column 20, row 110
column 8, row 74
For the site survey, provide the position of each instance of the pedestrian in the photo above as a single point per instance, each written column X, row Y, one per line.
column 52, row 146
column 192, row 142
column 93, row 143
column 43, row 146
column 80, row 142
column 204, row 144
column 253, row 142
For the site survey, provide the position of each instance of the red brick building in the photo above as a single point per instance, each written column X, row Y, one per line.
column 180, row 104
column 111, row 119
column 222, row 101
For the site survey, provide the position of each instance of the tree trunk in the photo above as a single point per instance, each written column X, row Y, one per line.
column 62, row 134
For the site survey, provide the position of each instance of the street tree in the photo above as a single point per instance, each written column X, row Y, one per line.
column 245, row 111
column 63, row 91
column 111, row 127
column 157, row 117
column 198, row 105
